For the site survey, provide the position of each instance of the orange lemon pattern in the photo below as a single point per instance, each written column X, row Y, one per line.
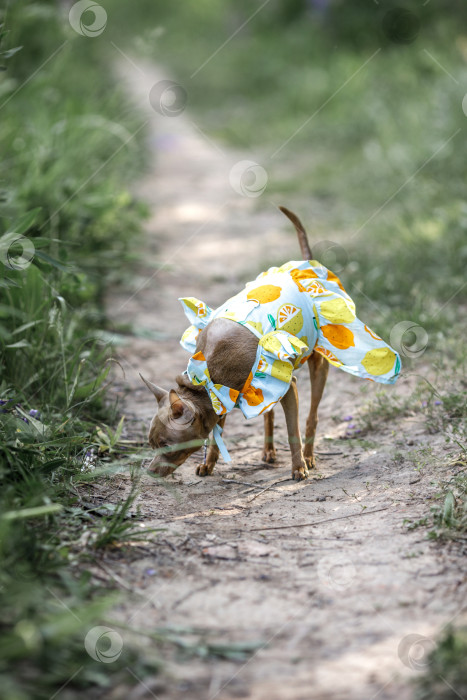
column 328, row 355
column 339, row 336
column 293, row 310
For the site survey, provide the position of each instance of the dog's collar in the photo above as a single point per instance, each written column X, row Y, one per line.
column 216, row 394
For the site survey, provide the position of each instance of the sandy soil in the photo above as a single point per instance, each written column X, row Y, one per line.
column 323, row 574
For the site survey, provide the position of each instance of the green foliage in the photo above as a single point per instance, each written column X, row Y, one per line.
column 368, row 127
column 118, row 527
column 74, row 149
column 446, row 678
column 70, row 145
column 450, row 517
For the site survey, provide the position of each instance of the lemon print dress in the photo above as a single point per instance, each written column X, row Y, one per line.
column 294, row 310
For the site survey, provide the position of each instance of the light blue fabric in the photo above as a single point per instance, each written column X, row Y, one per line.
column 293, row 310
column 217, row 433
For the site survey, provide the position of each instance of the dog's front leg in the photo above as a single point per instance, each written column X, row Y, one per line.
column 269, row 451
column 290, row 405
column 212, row 455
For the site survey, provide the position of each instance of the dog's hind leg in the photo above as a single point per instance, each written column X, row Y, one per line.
column 269, row 451
column 212, row 455
column 318, row 368
column 290, row 405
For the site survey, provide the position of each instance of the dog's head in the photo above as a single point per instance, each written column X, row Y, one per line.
column 176, row 430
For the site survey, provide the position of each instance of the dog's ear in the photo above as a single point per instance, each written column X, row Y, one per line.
column 179, row 408
column 156, row 390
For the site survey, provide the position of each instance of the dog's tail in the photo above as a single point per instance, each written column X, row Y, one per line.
column 302, row 237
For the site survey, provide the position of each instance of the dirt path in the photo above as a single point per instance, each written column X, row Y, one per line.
column 332, row 596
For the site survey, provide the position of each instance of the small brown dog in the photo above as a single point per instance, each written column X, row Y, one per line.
column 186, row 415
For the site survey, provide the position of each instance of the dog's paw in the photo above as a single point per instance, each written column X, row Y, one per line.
column 299, row 473
column 205, row 469
column 310, row 462
column 269, row 455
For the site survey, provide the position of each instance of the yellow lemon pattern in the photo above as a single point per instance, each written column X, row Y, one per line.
column 232, row 315
column 217, row 404
column 306, row 353
column 258, row 326
column 290, row 319
column 338, row 310
column 379, row 361
column 293, row 310
column 198, row 307
column 282, row 370
column 265, row 294
column 271, row 342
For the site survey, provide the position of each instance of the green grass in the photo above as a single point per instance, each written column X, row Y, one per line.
column 379, row 167
column 446, row 677
column 71, row 145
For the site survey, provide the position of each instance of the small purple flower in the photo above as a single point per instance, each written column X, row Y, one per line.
column 150, row 572
column 347, row 418
column 2, row 402
column 351, row 426
column 34, row 413
column 358, row 430
column 438, row 403
column 424, row 403
column 25, row 419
